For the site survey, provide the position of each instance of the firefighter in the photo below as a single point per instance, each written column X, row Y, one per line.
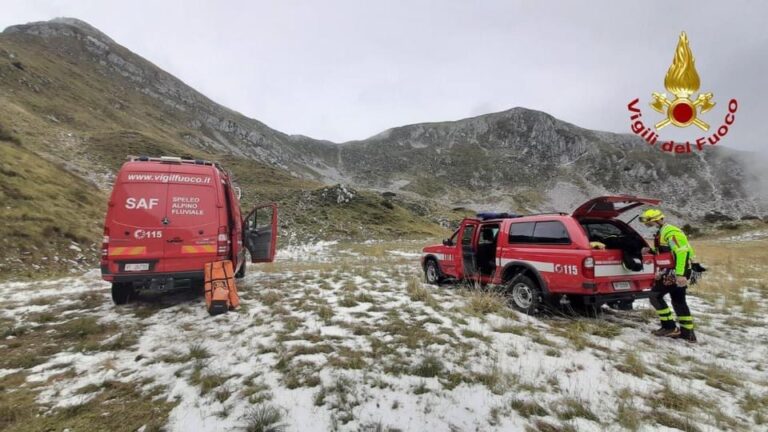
column 672, row 281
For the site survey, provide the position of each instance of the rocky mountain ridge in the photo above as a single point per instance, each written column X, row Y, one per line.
column 521, row 159
column 533, row 161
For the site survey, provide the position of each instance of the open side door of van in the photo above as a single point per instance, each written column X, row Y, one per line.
column 260, row 232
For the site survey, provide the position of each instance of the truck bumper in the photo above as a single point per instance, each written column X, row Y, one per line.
column 149, row 278
column 594, row 299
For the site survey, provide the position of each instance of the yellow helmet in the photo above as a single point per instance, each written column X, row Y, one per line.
column 651, row 215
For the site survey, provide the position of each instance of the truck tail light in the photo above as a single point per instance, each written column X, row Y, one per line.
column 588, row 267
column 222, row 241
column 105, row 245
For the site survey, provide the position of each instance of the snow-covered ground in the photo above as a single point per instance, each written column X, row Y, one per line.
column 346, row 337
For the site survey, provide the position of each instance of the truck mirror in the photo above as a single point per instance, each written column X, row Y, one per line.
column 238, row 192
column 447, row 242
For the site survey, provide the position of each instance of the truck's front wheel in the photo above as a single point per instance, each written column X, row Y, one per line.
column 240, row 273
column 524, row 294
column 432, row 273
column 122, row 292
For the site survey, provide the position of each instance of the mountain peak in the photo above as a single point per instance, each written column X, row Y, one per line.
column 61, row 26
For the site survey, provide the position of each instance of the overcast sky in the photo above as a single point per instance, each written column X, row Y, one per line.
column 344, row 70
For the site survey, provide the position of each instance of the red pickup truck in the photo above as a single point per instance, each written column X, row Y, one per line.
column 589, row 257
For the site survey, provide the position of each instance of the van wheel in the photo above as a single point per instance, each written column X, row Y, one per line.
column 122, row 292
column 524, row 294
column 240, row 273
column 624, row 305
column 432, row 273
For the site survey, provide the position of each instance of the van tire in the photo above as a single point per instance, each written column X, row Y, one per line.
column 122, row 292
column 623, row 305
column 432, row 273
column 524, row 294
column 241, row 273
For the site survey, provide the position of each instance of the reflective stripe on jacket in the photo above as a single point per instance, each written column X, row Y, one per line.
column 674, row 238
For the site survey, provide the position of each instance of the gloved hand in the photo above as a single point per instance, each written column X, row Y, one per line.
column 681, row 281
column 669, row 279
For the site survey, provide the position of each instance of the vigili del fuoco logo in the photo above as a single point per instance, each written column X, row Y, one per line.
column 683, row 109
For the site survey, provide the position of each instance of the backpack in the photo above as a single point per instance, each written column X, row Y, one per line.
column 632, row 255
column 220, row 291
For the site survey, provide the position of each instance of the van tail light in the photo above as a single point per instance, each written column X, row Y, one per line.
column 105, row 245
column 222, row 241
column 588, row 268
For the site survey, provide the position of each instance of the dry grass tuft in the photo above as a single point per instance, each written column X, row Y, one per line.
column 718, row 377
column 570, row 408
column 417, row 291
column 633, row 365
column 757, row 406
column 429, row 367
column 528, row 408
column 484, row 301
column 264, row 418
column 628, row 414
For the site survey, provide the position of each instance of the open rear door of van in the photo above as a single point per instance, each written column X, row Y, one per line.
column 260, row 232
column 611, row 206
column 193, row 218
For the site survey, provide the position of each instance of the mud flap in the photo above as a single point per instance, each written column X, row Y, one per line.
column 220, row 291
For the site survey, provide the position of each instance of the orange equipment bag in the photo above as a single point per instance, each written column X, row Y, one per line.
column 220, row 291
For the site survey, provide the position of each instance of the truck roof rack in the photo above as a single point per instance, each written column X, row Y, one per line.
column 549, row 213
column 496, row 215
column 171, row 159
column 484, row 216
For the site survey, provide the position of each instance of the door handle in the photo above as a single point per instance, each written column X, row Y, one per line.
column 175, row 240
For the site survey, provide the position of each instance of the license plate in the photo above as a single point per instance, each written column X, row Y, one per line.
column 137, row 267
column 621, row 286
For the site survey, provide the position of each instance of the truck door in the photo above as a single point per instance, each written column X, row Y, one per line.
column 192, row 219
column 260, row 232
column 134, row 218
column 468, row 250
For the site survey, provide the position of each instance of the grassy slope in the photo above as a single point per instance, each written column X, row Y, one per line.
column 62, row 114
column 45, row 210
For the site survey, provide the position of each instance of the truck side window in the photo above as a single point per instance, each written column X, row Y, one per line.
column 521, row 232
column 262, row 218
column 488, row 234
column 550, row 232
column 466, row 237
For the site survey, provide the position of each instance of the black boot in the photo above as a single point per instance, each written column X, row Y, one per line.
column 664, row 331
column 686, row 335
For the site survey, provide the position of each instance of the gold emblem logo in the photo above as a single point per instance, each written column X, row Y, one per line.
column 682, row 80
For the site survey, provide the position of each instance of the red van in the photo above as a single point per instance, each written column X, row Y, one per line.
column 169, row 216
